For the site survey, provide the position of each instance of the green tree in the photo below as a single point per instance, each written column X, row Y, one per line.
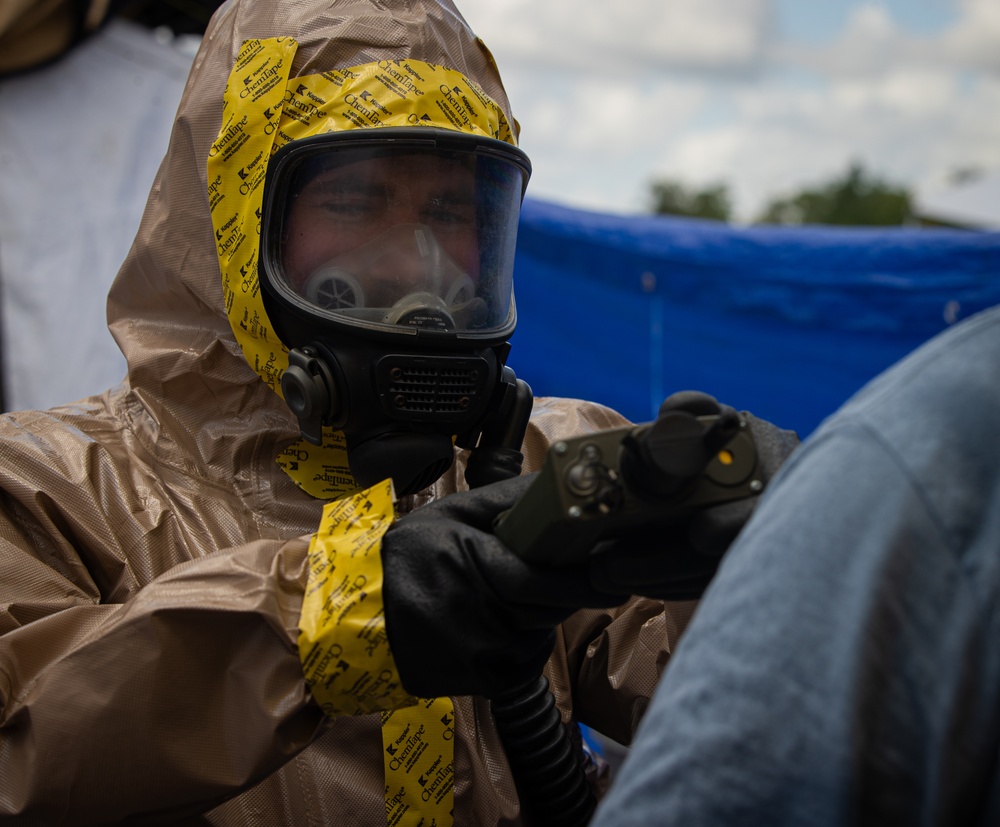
column 854, row 198
column 670, row 197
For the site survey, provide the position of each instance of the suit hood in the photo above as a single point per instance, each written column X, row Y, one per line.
column 185, row 307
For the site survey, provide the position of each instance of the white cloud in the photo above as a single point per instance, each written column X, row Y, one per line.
column 872, row 42
column 701, row 91
column 975, row 39
column 908, row 127
column 646, row 35
column 868, row 44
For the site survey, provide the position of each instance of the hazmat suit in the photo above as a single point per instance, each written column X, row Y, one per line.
column 154, row 539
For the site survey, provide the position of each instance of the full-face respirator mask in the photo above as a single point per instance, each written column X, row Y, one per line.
column 386, row 268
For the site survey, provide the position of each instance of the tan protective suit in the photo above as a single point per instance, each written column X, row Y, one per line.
column 152, row 553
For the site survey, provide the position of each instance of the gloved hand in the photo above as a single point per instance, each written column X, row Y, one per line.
column 464, row 615
column 678, row 561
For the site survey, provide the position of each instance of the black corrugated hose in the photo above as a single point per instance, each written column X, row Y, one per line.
column 543, row 759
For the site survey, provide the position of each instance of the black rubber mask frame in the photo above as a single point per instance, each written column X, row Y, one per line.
column 400, row 373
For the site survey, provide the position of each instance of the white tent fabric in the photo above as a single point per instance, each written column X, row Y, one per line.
column 80, row 143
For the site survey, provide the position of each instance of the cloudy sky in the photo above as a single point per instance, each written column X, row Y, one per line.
column 765, row 95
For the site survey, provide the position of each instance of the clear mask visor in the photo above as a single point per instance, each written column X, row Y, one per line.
column 398, row 236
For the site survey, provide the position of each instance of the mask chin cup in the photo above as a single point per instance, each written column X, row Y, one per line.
column 421, row 310
column 413, row 460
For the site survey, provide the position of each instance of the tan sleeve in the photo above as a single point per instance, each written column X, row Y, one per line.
column 615, row 658
column 180, row 697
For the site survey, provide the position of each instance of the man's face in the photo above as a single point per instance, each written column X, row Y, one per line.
column 347, row 207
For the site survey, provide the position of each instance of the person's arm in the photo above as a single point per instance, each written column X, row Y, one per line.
column 614, row 659
column 841, row 667
column 164, row 704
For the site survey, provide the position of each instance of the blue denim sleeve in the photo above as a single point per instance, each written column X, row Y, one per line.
column 843, row 667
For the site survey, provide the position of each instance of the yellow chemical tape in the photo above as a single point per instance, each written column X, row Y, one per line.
column 419, row 756
column 388, row 93
column 349, row 668
column 263, row 109
column 342, row 641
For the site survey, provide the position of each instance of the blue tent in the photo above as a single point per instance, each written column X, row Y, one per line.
column 785, row 322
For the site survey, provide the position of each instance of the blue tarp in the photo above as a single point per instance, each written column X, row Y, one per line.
column 786, row 322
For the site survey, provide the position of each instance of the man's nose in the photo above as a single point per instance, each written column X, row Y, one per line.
column 402, row 207
column 402, row 214
column 406, row 258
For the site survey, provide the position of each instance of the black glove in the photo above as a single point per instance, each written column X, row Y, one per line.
column 464, row 615
column 677, row 562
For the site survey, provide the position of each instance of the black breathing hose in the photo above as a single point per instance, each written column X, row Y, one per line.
column 543, row 759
